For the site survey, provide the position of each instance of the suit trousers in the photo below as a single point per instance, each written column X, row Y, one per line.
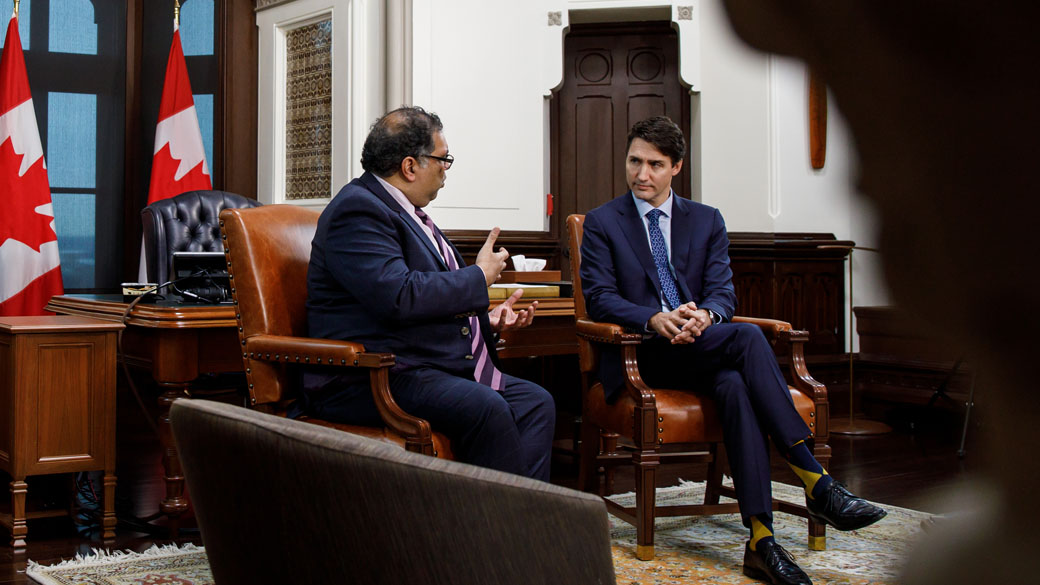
column 735, row 365
column 510, row 431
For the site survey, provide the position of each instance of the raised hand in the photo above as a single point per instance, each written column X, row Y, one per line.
column 490, row 261
column 504, row 318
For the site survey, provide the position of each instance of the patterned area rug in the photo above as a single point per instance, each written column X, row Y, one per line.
column 166, row 565
column 689, row 550
column 710, row 549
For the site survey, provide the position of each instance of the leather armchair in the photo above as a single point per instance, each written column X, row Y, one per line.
column 268, row 250
column 188, row 222
column 654, row 418
column 280, row 501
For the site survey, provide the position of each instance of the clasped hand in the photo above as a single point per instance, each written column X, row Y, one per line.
column 681, row 325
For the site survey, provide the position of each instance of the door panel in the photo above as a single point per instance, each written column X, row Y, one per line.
column 614, row 76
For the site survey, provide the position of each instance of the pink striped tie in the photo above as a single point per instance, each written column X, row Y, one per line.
column 485, row 371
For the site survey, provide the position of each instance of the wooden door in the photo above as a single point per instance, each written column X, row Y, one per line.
column 614, row 75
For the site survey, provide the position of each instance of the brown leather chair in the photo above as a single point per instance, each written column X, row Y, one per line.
column 654, row 419
column 268, row 249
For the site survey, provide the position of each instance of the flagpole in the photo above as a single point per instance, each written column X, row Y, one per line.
column 16, row 3
column 176, row 14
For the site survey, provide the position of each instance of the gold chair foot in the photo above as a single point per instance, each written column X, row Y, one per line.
column 645, row 552
column 817, row 543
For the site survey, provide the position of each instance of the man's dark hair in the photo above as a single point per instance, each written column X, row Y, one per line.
column 663, row 134
column 406, row 131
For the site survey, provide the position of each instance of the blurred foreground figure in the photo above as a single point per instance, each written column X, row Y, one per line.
column 944, row 105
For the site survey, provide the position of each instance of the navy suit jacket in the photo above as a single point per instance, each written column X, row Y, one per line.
column 619, row 278
column 377, row 279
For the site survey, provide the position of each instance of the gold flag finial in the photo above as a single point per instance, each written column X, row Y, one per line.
column 176, row 14
column 16, row 3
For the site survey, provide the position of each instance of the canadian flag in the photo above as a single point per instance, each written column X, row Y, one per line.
column 30, row 271
column 179, row 158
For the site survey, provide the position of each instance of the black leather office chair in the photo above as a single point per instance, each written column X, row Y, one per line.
column 189, row 222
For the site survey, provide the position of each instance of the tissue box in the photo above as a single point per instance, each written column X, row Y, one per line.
column 510, row 276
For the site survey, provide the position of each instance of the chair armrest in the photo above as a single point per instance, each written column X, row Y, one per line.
column 800, row 376
column 337, row 353
column 308, row 350
column 613, row 334
column 782, row 332
column 772, row 328
column 606, row 333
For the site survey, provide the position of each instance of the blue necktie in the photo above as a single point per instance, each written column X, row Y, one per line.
column 660, row 251
column 484, row 371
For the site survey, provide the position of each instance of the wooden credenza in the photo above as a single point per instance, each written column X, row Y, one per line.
column 798, row 277
column 57, row 408
column 794, row 277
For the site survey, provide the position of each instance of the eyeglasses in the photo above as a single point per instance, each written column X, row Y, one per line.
column 444, row 160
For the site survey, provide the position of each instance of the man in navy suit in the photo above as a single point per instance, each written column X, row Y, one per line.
column 659, row 264
column 383, row 275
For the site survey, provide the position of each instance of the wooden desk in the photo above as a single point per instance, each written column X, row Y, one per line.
column 178, row 342
column 552, row 332
column 57, row 408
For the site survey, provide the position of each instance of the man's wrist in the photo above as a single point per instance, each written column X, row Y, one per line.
column 715, row 317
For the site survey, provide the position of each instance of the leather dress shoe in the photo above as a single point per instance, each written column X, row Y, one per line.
column 772, row 564
column 839, row 508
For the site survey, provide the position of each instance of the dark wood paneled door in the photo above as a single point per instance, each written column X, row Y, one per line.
column 614, row 75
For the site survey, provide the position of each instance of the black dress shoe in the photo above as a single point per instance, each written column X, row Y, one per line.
column 772, row 564
column 837, row 507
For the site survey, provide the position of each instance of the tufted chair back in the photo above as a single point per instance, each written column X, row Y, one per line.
column 189, row 222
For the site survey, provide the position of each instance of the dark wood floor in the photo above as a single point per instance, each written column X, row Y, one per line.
column 910, row 467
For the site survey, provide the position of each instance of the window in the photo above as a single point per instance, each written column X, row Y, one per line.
column 75, row 52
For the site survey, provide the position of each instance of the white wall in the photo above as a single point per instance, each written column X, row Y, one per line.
column 478, row 65
column 485, row 65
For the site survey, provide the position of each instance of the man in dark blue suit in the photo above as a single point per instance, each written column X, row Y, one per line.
column 383, row 275
column 659, row 264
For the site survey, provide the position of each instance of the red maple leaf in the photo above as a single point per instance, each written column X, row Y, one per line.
column 164, row 166
column 19, row 198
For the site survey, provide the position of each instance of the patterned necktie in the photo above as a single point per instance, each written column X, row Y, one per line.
column 485, row 371
column 660, row 252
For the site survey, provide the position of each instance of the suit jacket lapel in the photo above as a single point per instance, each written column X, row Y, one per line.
column 635, row 231
column 681, row 231
column 377, row 189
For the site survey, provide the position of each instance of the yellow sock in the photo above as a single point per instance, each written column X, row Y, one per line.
column 759, row 530
column 807, row 468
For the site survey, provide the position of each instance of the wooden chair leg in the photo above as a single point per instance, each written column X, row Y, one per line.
column 588, row 476
column 818, row 531
column 714, row 481
column 646, row 463
column 108, row 520
column 817, row 535
column 609, row 447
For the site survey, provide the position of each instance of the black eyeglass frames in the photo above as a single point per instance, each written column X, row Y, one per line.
column 445, row 160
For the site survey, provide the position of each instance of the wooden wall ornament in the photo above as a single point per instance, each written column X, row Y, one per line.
column 817, row 120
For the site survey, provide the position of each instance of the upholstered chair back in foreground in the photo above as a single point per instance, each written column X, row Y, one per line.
column 282, row 501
